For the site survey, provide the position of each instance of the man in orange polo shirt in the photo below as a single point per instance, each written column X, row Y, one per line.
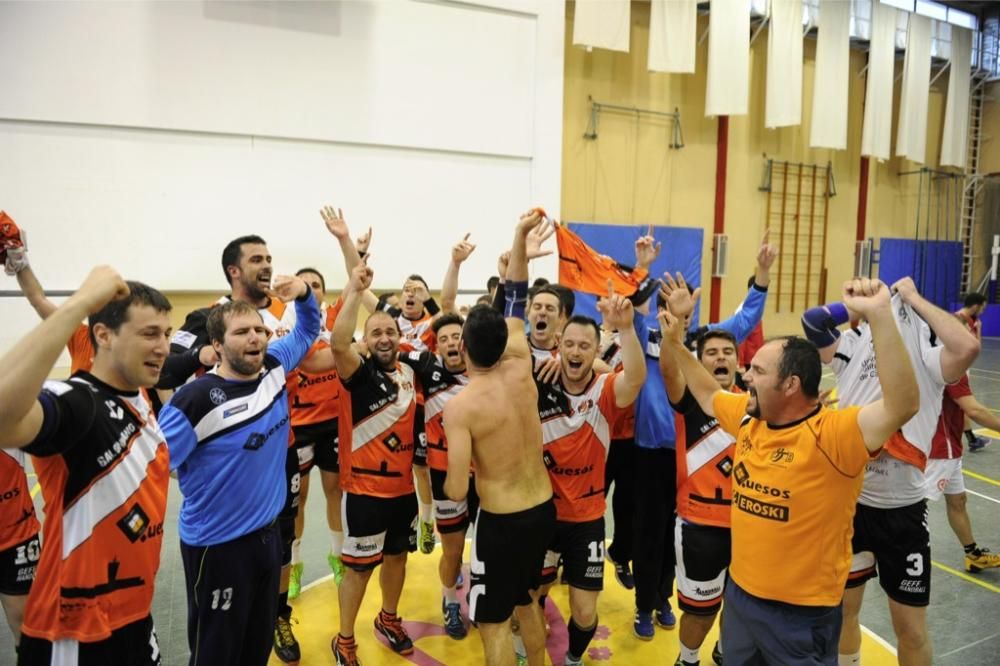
column 798, row 469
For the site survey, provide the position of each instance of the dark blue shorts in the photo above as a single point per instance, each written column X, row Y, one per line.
column 760, row 631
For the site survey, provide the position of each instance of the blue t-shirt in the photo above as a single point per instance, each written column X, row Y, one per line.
column 654, row 418
column 228, row 441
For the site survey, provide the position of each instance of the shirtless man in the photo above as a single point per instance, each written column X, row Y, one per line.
column 494, row 423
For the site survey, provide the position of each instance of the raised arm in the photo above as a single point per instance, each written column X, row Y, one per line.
column 960, row 346
column 900, row 393
column 352, row 252
column 292, row 348
column 346, row 358
column 618, row 312
column 449, row 289
column 680, row 302
column 820, row 326
column 456, row 431
column 516, row 286
column 33, row 291
column 27, row 364
column 701, row 384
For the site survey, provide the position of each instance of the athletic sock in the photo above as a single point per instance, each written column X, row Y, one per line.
column 579, row 638
column 519, row 648
column 387, row 616
column 849, row 659
column 970, row 437
column 690, row 655
column 425, row 512
column 450, row 595
column 972, row 549
column 336, row 542
column 296, row 559
column 284, row 610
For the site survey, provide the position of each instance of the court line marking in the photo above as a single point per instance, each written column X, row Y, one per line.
column 986, row 497
column 965, row 576
column 964, row 647
column 981, row 477
column 878, row 639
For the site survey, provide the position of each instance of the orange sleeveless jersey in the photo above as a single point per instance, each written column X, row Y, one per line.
column 17, row 512
column 795, row 488
column 704, row 465
column 313, row 398
column 377, row 414
column 105, row 501
column 576, row 433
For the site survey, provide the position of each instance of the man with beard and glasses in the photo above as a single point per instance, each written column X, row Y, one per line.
column 797, row 472
column 377, row 447
column 439, row 378
column 704, row 486
column 103, row 468
column 494, row 422
column 228, row 433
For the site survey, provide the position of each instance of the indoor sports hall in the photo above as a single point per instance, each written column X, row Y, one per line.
column 805, row 153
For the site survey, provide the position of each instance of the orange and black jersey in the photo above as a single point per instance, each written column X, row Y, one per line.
column 437, row 385
column 103, row 467
column 376, row 425
column 704, row 465
column 576, row 434
column 312, row 397
column 17, row 512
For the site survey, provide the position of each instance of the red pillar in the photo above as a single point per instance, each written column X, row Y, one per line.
column 721, row 153
column 862, row 199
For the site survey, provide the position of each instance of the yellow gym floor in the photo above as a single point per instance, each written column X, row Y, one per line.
column 317, row 613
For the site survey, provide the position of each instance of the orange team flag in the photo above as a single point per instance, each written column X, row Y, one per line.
column 583, row 269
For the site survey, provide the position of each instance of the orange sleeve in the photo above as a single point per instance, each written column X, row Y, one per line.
column 842, row 442
column 730, row 409
column 81, row 351
column 606, row 401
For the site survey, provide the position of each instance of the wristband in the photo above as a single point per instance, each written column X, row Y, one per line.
column 517, row 299
column 432, row 307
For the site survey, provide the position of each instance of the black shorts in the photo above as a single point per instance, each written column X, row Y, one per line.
column 134, row 644
column 703, row 555
column 324, row 438
column 894, row 545
column 580, row 548
column 17, row 566
column 293, row 479
column 507, row 556
column 374, row 526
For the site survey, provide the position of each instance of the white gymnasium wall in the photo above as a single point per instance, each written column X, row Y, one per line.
column 148, row 134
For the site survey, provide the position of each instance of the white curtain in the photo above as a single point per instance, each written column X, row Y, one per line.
column 673, row 28
column 728, row 88
column 831, row 79
column 783, row 99
column 602, row 23
column 956, row 114
column 911, row 133
column 876, row 134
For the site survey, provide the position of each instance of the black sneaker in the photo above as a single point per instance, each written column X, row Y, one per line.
column 681, row 662
column 345, row 651
column 392, row 629
column 623, row 574
column 717, row 654
column 285, row 646
column 454, row 626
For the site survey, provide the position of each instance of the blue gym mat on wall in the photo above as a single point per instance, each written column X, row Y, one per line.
column 681, row 252
column 935, row 266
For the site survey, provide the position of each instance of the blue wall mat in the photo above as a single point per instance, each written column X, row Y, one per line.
column 681, row 252
column 935, row 266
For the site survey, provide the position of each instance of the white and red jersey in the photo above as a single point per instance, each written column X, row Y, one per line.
column 576, row 434
column 896, row 477
column 416, row 334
